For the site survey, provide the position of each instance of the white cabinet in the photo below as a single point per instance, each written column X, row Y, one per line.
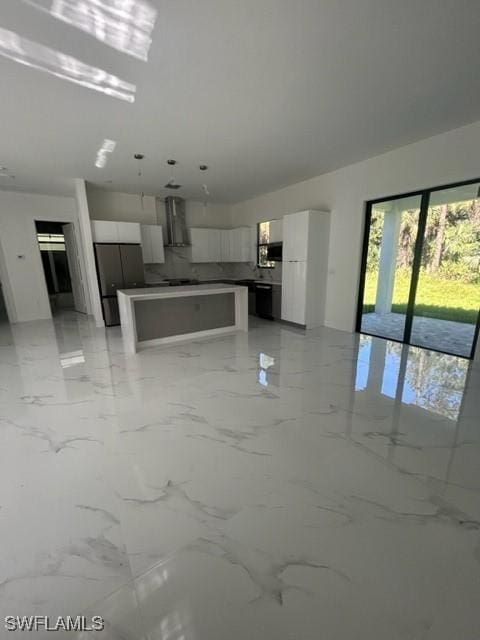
column 129, row 232
column 111, row 231
column 305, row 267
column 295, row 236
column 152, row 244
column 104, row 231
column 241, row 242
column 276, row 231
column 214, row 245
column 294, row 279
column 227, row 245
column 221, row 245
column 200, row 244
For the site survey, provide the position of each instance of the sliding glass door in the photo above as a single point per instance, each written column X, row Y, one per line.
column 393, row 226
column 421, row 269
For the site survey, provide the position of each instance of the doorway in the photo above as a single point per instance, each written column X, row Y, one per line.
column 420, row 279
column 61, row 267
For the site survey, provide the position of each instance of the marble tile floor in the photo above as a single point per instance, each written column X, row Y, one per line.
column 274, row 485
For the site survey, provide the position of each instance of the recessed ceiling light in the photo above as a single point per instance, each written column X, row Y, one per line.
column 203, row 167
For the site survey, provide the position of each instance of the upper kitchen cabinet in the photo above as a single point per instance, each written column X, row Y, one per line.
column 215, row 245
column 275, row 231
column 104, row 231
column 152, row 244
column 200, row 245
column 242, row 251
column 129, row 232
column 111, row 231
column 295, row 236
column 221, row 245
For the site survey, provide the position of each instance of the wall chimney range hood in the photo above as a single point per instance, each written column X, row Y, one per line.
column 177, row 234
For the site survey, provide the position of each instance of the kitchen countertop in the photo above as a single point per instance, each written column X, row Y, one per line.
column 164, row 283
column 170, row 292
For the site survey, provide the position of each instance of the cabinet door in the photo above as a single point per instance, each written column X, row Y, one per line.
column 214, row 246
column 289, row 238
column 245, row 245
column 129, row 232
column 241, row 244
column 301, row 235
column 288, row 291
column 276, row 234
column 227, row 248
column 158, row 251
column 295, row 237
column 300, row 292
column 294, row 291
column 104, row 231
column 146, row 236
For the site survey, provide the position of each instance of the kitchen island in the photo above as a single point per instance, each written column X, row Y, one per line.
column 161, row 315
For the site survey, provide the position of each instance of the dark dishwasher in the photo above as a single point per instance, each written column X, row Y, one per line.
column 263, row 299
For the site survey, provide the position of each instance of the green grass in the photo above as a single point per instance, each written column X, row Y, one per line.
column 436, row 298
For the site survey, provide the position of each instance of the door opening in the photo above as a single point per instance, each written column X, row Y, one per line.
column 58, row 251
column 420, row 281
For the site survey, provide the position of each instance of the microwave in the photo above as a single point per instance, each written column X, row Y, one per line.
column 274, row 251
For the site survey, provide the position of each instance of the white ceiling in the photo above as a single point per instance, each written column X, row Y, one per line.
column 266, row 92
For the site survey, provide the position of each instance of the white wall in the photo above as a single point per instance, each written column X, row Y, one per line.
column 23, row 279
column 449, row 157
column 90, row 269
column 124, row 207
column 127, row 207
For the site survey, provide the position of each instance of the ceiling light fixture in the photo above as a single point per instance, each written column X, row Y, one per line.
column 172, row 183
column 108, row 146
column 139, row 157
column 203, row 168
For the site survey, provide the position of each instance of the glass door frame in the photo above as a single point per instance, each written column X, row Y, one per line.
column 417, row 259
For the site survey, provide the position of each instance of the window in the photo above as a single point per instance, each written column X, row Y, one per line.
column 263, row 235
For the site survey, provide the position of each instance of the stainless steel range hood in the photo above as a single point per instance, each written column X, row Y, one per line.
column 177, row 234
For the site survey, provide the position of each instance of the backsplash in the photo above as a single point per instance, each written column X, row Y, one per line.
column 177, row 265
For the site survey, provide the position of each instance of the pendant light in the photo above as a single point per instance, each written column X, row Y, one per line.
column 206, row 192
column 139, row 157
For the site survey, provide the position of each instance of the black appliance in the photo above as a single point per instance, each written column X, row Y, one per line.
column 119, row 266
column 275, row 251
column 263, row 300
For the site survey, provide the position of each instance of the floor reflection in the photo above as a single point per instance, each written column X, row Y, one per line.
column 428, row 379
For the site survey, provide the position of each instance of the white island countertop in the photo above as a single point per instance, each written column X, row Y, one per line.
column 171, row 292
column 150, row 316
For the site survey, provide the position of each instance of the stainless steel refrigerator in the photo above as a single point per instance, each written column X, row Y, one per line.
column 119, row 266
